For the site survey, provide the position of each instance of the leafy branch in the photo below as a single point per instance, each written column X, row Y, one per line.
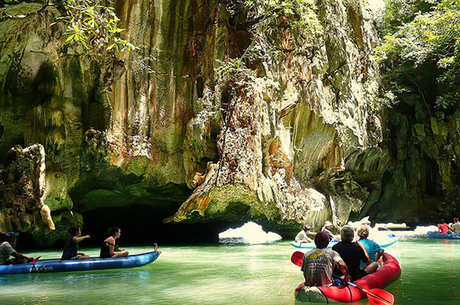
column 93, row 25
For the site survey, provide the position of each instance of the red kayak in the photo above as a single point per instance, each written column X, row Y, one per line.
column 384, row 276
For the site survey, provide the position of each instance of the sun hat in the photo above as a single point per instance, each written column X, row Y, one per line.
column 327, row 223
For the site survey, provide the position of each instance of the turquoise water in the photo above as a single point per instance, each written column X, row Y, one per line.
column 214, row 274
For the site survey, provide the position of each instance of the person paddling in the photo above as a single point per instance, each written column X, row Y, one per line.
column 7, row 250
column 302, row 236
column 318, row 263
column 109, row 247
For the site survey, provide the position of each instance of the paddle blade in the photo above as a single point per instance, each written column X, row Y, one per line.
column 380, row 297
column 297, row 258
column 35, row 260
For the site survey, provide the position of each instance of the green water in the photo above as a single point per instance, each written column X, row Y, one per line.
column 252, row 274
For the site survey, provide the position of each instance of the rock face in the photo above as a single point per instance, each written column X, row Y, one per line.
column 22, row 186
column 308, row 102
column 267, row 117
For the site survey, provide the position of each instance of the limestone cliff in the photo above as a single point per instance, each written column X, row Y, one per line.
column 267, row 112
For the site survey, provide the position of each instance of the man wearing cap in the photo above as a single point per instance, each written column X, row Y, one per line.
column 318, row 263
column 456, row 226
column 6, row 249
column 353, row 254
column 327, row 228
column 302, row 236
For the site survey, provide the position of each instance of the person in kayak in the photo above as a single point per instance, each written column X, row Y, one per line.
column 327, row 228
column 71, row 247
column 109, row 247
column 353, row 255
column 7, row 250
column 302, row 236
column 456, row 226
column 443, row 228
column 318, row 263
column 372, row 249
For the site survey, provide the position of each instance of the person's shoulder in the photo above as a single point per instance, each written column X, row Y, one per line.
column 5, row 244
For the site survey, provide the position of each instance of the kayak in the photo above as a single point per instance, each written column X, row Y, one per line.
column 384, row 242
column 443, row 236
column 384, row 276
column 57, row 265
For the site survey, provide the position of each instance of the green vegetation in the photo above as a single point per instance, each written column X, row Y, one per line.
column 291, row 24
column 420, row 51
column 91, row 24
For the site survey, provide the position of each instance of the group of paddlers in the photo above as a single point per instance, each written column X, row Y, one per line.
column 109, row 248
column 452, row 228
column 347, row 260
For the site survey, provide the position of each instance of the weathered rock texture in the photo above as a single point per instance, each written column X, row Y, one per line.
column 269, row 117
column 22, row 186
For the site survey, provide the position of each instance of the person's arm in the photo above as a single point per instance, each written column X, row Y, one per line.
column 364, row 248
column 364, row 258
column 80, row 238
column 343, row 267
column 19, row 255
column 111, row 243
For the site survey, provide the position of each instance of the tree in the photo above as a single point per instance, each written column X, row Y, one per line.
column 421, row 50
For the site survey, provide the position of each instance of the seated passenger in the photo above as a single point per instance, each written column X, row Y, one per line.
column 109, row 247
column 372, row 249
column 353, row 254
column 443, row 228
column 318, row 263
column 302, row 236
column 71, row 247
column 456, row 226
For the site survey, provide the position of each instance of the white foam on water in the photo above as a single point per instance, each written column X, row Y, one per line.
column 249, row 233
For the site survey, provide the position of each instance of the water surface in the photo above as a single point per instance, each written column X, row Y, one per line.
column 242, row 274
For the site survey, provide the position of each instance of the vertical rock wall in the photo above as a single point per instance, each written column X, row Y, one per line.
column 255, row 111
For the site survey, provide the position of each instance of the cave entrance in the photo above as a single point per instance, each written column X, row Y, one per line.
column 143, row 225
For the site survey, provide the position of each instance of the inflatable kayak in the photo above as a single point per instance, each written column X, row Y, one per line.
column 443, row 236
column 384, row 242
column 387, row 274
column 56, row 265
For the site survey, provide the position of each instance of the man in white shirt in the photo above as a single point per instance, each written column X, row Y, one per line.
column 302, row 236
column 7, row 250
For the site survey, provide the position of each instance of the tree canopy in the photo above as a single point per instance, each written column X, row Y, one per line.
column 420, row 50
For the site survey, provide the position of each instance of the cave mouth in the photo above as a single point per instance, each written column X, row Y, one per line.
column 143, row 225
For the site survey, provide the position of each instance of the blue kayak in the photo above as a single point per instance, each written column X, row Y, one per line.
column 383, row 242
column 56, row 265
column 443, row 236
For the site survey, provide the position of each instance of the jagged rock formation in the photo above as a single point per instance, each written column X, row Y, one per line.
column 22, row 187
column 269, row 117
column 279, row 131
